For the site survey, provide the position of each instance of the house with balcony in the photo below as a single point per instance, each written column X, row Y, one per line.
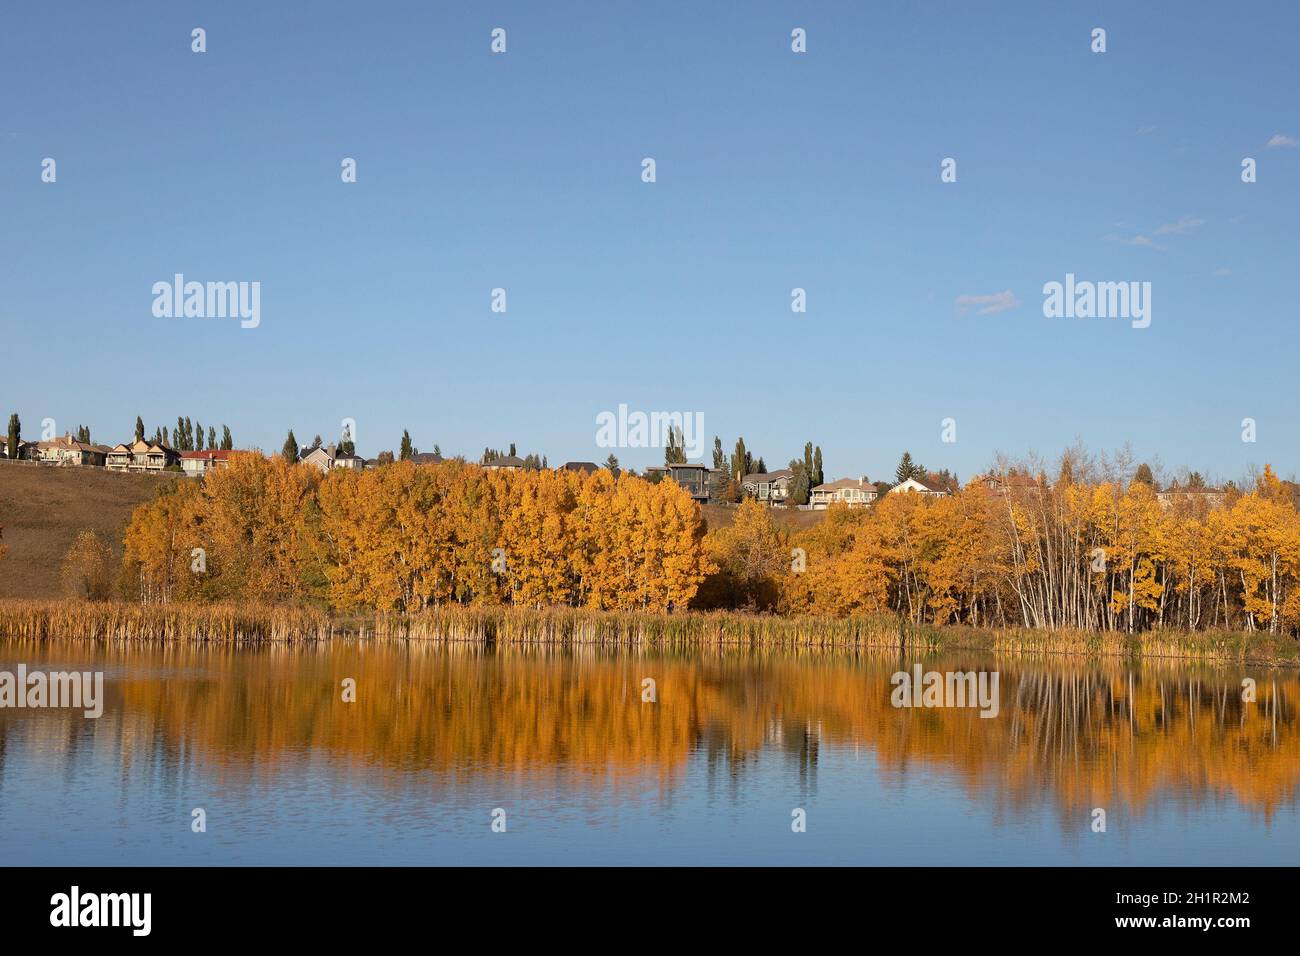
column 141, row 455
column 694, row 478
column 68, row 451
column 196, row 464
column 854, row 492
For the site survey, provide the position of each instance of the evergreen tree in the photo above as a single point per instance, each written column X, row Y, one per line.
column 346, row 445
column 139, row 428
column 1144, row 476
column 227, row 442
column 407, row 451
column 15, row 435
column 612, row 464
column 818, row 476
column 719, row 457
column 761, row 466
column 512, row 449
column 290, row 449
column 437, row 450
column 908, row 469
column 212, row 438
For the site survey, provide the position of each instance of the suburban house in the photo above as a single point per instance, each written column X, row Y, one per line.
column 507, row 463
column 854, row 492
column 772, row 487
column 1003, row 484
column 586, row 467
column 327, row 457
column 140, row 455
column 694, row 478
column 26, row 449
column 343, row 459
column 426, row 458
column 199, row 463
column 920, row 488
column 67, row 451
column 1211, row 497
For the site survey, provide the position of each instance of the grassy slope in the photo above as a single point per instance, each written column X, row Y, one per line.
column 42, row 509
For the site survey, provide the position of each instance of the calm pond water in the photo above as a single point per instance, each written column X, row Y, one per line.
column 587, row 773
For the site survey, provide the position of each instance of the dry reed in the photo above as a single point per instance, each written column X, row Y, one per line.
column 231, row 623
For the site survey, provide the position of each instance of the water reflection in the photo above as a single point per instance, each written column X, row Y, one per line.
column 1069, row 735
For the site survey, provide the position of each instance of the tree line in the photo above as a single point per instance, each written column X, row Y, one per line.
column 1072, row 554
column 1079, row 552
column 404, row 537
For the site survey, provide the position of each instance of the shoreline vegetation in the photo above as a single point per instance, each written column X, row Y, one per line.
column 266, row 549
column 223, row 624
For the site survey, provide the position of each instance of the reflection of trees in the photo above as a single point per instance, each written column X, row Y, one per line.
column 1073, row 734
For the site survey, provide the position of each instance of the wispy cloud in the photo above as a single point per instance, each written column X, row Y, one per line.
column 1184, row 225
column 1223, row 271
column 1279, row 139
column 1134, row 241
column 988, row 304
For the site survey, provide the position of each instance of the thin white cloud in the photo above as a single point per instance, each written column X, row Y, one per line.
column 1290, row 142
column 1184, row 225
column 1134, row 241
column 988, row 304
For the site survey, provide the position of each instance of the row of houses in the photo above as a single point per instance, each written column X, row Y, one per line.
column 136, row 456
column 768, row 487
column 150, row 456
column 773, row 487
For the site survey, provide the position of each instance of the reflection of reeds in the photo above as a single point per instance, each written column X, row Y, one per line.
column 579, row 626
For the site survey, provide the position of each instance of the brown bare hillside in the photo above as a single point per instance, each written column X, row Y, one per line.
column 791, row 519
column 42, row 509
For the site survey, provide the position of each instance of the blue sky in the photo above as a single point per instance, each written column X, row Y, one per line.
column 775, row 170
